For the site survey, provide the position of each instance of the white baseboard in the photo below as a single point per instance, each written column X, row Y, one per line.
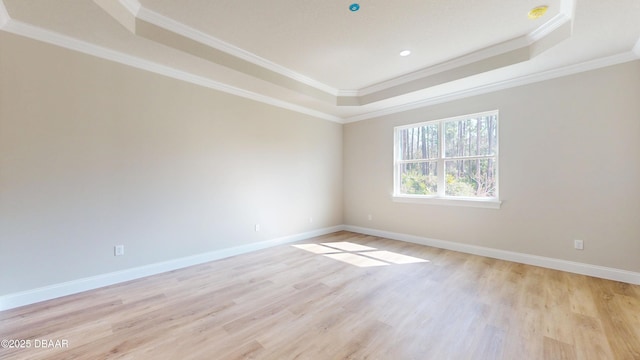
column 15, row 300
column 551, row 263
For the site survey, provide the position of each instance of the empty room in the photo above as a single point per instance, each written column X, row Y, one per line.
column 219, row 179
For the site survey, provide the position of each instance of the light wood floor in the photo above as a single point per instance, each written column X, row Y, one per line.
column 326, row 302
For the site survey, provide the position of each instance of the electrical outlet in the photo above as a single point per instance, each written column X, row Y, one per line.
column 310, row 220
column 257, row 227
column 369, row 217
column 118, row 250
column 578, row 244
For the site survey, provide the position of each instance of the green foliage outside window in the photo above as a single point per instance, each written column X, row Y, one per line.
column 469, row 156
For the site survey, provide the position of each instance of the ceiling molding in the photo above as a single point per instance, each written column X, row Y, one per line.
column 563, row 17
column 548, row 27
column 351, row 93
column 479, row 67
column 464, row 60
column 119, row 12
column 37, row 33
column 34, row 32
column 4, row 15
column 206, row 39
column 501, row 85
column 636, row 48
column 568, row 7
column 501, row 55
column 132, row 6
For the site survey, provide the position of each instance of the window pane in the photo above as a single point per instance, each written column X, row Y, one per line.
column 419, row 179
column 419, row 142
column 471, row 137
column 471, row 178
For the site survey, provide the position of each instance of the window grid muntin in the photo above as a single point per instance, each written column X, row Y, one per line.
column 441, row 170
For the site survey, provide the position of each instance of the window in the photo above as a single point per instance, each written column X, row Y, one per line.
column 451, row 161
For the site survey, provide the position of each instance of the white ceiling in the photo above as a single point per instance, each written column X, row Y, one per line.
column 319, row 58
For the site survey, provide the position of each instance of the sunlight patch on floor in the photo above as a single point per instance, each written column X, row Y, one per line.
column 359, row 255
column 316, row 248
column 357, row 260
column 348, row 246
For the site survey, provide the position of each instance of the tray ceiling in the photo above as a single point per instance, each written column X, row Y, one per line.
column 320, row 58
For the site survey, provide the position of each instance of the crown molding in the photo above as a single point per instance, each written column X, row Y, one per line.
column 548, row 27
column 568, row 7
column 564, row 16
column 34, row 32
column 132, row 6
column 501, row 85
column 37, row 33
column 203, row 38
column 4, row 15
column 636, row 48
column 354, row 93
column 387, row 89
column 463, row 60
column 140, row 12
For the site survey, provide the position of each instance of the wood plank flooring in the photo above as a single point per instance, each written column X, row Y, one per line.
column 340, row 296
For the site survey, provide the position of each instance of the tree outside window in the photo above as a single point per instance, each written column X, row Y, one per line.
column 449, row 158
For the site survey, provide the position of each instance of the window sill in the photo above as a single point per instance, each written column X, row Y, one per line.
column 468, row 202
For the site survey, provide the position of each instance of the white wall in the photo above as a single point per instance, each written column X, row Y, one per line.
column 94, row 154
column 569, row 169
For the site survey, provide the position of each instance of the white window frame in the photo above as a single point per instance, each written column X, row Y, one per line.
column 441, row 198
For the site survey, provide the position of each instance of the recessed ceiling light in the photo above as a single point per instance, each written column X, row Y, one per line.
column 405, row 52
column 354, row 7
column 537, row 12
